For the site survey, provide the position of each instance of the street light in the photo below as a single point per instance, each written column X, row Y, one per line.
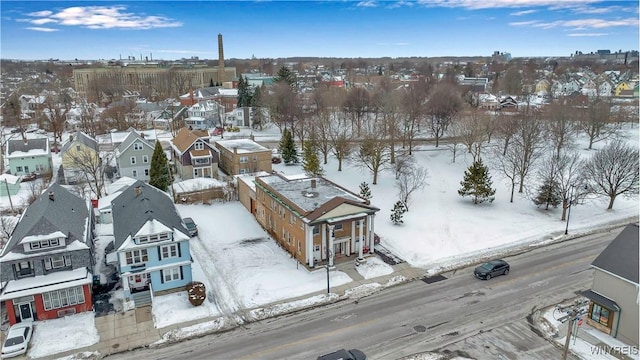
column 570, row 205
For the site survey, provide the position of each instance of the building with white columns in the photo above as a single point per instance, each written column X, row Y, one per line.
column 314, row 219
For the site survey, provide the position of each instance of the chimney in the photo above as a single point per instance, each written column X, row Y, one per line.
column 51, row 195
column 220, row 60
column 313, row 183
column 235, row 150
column 138, row 190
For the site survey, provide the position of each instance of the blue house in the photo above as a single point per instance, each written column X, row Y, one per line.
column 151, row 244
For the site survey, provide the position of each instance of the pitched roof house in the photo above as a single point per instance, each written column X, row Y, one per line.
column 151, row 243
column 80, row 149
column 133, row 156
column 193, row 155
column 28, row 156
column 46, row 267
column 314, row 219
column 615, row 289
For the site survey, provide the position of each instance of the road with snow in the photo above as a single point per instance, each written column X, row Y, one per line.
column 481, row 318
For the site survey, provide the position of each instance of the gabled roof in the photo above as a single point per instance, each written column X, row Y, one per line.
column 620, row 258
column 130, row 139
column 66, row 213
column 139, row 204
column 28, row 145
column 82, row 138
column 185, row 138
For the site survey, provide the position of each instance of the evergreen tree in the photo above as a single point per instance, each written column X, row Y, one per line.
column 365, row 192
column 477, row 183
column 549, row 194
column 244, row 92
column 397, row 212
column 288, row 149
column 284, row 74
column 310, row 161
column 159, row 175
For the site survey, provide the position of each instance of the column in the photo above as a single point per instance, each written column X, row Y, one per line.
column 323, row 248
column 360, row 238
column 352, row 241
column 331, row 237
column 373, row 235
column 308, row 240
column 368, row 236
column 125, row 286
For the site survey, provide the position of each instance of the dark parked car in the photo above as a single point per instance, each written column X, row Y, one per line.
column 491, row 269
column 342, row 354
column 191, row 226
column 276, row 160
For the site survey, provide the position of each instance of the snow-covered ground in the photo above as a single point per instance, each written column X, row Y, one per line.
column 243, row 268
column 67, row 333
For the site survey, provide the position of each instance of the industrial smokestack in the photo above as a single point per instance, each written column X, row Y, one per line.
column 221, row 78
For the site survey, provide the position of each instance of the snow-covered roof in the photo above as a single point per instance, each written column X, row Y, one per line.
column 120, row 184
column 10, row 179
column 44, row 283
column 248, row 179
column 196, row 184
column 242, row 145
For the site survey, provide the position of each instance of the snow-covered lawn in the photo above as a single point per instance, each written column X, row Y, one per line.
column 67, row 333
column 374, row 267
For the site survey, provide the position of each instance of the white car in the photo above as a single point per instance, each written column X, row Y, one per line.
column 17, row 340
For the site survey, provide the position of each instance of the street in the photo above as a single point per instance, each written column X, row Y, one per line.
column 481, row 318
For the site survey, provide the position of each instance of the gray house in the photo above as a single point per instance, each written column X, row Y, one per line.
column 133, row 157
column 28, row 156
column 615, row 290
column 46, row 266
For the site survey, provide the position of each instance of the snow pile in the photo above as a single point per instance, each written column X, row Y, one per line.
column 175, row 308
column 374, row 267
column 86, row 355
column 187, row 332
column 283, row 308
column 362, row 290
column 63, row 334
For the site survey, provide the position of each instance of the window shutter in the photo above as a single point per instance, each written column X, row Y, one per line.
column 159, row 253
column 47, row 264
column 162, row 276
column 181, row 275
column 179, row 250
column 67, row 260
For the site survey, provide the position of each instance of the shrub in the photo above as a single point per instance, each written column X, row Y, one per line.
column 197, row 293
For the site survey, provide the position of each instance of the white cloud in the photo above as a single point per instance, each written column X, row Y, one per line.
column 587, row 34
column 43, row 29
column 401, row 44
column 579, row 24
column 103, row 17
column 475, row 4
column 367, row 3
column 523, row 12
column 524, row 23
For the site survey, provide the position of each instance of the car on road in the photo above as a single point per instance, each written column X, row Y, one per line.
column 191, row 226
column 491, row 269
column 342, row 354
column 17, row 340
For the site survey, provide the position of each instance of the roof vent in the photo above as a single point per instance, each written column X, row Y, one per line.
column 310, row 194
column 51, row 195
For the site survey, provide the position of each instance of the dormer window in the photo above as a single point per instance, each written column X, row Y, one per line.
column 44, row 244
column 153, row 238
column 137, row 146
column 199, row 145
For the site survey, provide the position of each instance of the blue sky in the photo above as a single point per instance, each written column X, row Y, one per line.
column 272, row 29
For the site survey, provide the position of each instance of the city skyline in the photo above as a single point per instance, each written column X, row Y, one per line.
column 171, row 30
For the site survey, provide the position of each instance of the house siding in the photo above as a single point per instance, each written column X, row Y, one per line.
column 124, row 162
column 29, row 164
column 72, row 152
column 230, row 161
column 79, row 259
column 625, row 295
column 42, row 314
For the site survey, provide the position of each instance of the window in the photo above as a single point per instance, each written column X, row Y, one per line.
column 77, row 147
column 145, row 158
column 600, row 315
column 243, row 171
column 338, row 227
column 137, row 146
column 316, row 230
column 43, row 244
column 201, row 161
column 244, row 159
column 57, row 262
column 199, row 145
column 64, row 297
column 172, row 274
column 136, row 257
column 169, row 251
column 152, row 238
column 255, row 158
column 133, row 160
column 146, row 172
column 134, row 173
column 299, row 246
column 292, row 219
column 316, row 247
column 18, row 168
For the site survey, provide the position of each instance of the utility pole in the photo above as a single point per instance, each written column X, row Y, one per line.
column 573, row 313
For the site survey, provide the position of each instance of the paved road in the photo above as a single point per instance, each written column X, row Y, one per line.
column 458, row 313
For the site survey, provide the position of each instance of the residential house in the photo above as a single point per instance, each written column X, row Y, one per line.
column 151, row 243
column 133, row 156
column 203, row 115
column 193, row 155
column 46, row 264
column 622, row 88
column 26, row 156
column 80, row 151
column 228, row 98
column 543, row 86
column 9, row 185
column 488, row 101
column 113, row 190
column 614, row 293
column 314, row 217
column 243, row 156
column 508, row 103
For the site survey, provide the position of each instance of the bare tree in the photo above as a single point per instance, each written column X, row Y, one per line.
column 89, row 168
column 341, row 136
column 595, row 120
column 506, row 127
column 508, row 162
column 283, row 105
column 413, row 100
column 560, row 127
column 456, row 133
column 387, row 105
column 409, row 182
column 529, row 141
column 568, row 173
column 613, row 171
column 374, row 151
column 326, row 102
column 357, row 104
column 443, row 105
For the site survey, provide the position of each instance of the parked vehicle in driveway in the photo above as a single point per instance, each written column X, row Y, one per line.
column 491, row 269
column 191, row 226
column 342, row 354
column 17, row 340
